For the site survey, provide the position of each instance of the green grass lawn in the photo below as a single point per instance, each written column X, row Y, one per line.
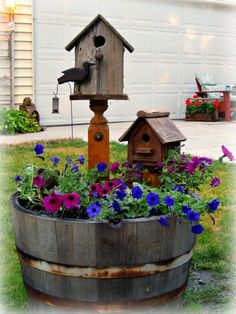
column 213, row 266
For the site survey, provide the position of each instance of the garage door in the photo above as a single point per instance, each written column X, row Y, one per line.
column 172, row 41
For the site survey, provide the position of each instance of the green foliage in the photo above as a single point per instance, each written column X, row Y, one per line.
column 185, row 170
column 17, row 121
column 213, row 250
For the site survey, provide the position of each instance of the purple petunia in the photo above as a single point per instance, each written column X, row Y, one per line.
column 213, row 205
column 152, row 199
column 71, row 200
column 39, row 149
column 137, row 192
column 163, row 221
column 193, row 215
column 93, row 210
column 178, row 188
column 39, row 181
column 186, row 209
column 81, row 159
column 101, row 167
column 75, row 168
column 52, row 202
column 120, row 194
column 116, row 206
column 197, row 229
column 215, row 182
column 55, row 160
column 227, row 153
column 169, row 201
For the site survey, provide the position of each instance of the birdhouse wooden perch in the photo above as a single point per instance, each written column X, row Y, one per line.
column 149, row 138
column 100, row 42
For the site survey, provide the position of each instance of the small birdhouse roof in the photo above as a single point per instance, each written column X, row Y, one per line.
column 98, row 18
column 163, row 127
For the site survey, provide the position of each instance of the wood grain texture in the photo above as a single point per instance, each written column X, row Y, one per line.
column 52, row 251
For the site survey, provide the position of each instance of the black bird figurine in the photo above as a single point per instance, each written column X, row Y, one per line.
column 76, row 74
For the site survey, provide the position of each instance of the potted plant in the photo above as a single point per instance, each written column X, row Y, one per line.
column 104, row 237
column 200, row 109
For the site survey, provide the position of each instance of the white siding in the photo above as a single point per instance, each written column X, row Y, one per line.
column 23, row 64
column 172, row 40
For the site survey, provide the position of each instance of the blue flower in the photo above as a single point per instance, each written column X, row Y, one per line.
column 55, row 160
column 186, row 209
column 39, row 149
column 101, row 167
column 120, row 194
column 137, row 192
column 116, row 206
column 81, row 159
column 178, row 188
column 169, row 201
column 193, row 215
column 93, row 210
column 213, row 205
column 17, row 178
column 75, row 168
column 163, row 221
column 152, row 199
column 197, row 229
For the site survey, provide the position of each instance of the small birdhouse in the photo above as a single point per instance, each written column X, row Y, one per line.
column 150, row 137
column 100, row 43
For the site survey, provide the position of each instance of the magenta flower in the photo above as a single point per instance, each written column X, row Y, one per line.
column 227, row 153
column 39, row 181
column 114, row 167
column 52, row 202
column 215, row 182
column 71, row 200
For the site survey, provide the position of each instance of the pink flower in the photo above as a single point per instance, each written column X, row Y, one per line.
column 95, row 190
column 39, row 181
column 52, row 202
column 215, row 182
column 71, row 200
column 227, row 153
column 114, row 167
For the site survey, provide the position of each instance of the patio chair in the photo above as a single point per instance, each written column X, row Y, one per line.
column 208, row 89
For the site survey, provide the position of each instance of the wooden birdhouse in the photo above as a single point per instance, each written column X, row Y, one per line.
column 150, row 137
column 101, row 43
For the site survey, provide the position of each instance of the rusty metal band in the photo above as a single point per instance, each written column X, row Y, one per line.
column 167, row 298
column 105, row 272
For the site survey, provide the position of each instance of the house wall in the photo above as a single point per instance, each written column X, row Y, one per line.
column 22, row 56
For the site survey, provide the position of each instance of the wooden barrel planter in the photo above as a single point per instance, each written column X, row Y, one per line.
column 93, row 265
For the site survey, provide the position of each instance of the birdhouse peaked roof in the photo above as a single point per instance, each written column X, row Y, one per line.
column 165, row 130
column 98, row 18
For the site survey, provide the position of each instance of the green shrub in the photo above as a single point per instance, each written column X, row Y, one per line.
column 17, row 121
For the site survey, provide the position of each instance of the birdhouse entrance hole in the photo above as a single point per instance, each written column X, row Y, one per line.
column 146, row 137
column 99, row 41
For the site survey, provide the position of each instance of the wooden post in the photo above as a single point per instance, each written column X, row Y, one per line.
column 98, row 134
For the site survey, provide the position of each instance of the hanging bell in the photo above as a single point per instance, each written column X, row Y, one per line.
column 55, row 104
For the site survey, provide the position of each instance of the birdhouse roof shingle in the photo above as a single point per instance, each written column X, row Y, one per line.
column 98, row 18
column 165, row 130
